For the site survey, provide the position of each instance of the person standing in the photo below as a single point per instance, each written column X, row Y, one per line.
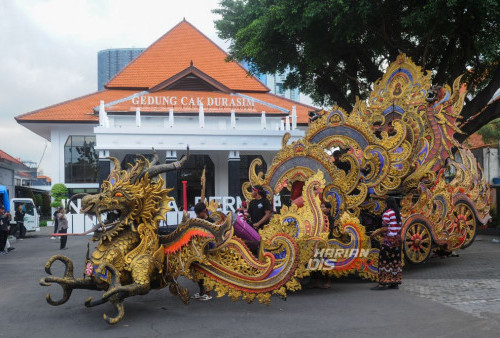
column 19, row 218
column 259, row 208
column 56, row 221
column 201, row 212
column 63, row 227
column 4, row 229
column 389, row 261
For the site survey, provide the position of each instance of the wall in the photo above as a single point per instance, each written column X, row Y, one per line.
column 7, row 179
column 491, row 164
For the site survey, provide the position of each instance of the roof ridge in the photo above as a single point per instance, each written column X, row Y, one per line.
column 143, row 52
column 222, row 50
column 123, row 77
column 10, row 158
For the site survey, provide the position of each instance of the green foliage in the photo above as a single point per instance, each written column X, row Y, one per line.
column 337, row 48
column 490, row 132
column 43, row 224
column 38, row 199
column 58, row 192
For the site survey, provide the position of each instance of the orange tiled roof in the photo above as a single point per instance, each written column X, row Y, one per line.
column 7, row 157
column 75, row 110
column 47, row 178
column 173, row 52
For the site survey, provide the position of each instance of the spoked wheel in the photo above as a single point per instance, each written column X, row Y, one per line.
column 417, row 242
column 465, row 218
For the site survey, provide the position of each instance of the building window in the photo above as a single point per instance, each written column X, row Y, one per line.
column 280, row 90
column 245, row 161
column 81, row 161
column 74, row 191
column 191, row 172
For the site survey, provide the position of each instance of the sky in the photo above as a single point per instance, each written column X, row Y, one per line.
column 49, row 53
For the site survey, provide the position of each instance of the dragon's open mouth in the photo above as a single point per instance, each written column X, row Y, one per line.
column 107, row 219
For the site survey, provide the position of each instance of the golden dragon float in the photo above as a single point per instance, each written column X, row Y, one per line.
column 400, row 141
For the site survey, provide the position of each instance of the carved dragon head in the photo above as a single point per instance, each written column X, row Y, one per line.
column 130, row 199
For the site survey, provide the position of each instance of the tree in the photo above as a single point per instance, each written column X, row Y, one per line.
column 490, row 132
column 58, row 192
column 336, row 49
column 38, row 199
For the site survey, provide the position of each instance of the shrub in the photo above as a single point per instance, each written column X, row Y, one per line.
column 58, row 192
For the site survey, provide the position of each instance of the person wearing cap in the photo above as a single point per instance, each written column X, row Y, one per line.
column 259, row 208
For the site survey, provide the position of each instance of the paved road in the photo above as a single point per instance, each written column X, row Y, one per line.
column 454, row 297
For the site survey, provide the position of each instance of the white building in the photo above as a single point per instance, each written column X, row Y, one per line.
column 180, row 91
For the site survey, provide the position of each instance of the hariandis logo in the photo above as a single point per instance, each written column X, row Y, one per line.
column 326, row 259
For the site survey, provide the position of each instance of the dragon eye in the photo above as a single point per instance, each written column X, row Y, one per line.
column 119, row 194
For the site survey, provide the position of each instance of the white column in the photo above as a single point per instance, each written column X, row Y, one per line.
column 103, row 154
column 56, row 161
column 171, row 118
column 202, row 116
column 287, row 124
column 221, row 170
column 294, row 117
column 282, row 124
column 263, row 123
column 138, row 117
column 233, row 119
column 103, row 117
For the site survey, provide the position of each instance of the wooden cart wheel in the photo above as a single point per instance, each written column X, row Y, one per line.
column 417, row 244
column 465, row 218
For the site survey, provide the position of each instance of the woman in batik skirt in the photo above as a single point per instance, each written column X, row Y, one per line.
column 389, row 261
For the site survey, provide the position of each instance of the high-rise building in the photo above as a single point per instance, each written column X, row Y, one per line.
column 275, row 83
column 111, row 61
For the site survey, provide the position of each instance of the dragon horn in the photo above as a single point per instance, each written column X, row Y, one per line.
column 74, row 197
column 117, row 164
column 161, row 168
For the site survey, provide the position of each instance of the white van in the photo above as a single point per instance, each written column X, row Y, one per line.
column 31, row 217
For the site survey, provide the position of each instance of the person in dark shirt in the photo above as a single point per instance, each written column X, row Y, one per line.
column 19, row 218
column 56, row 221
column 259, row 208
column 4, row 229
column 201, row 212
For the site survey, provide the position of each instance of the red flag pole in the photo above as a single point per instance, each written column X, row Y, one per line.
column 184, row 195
